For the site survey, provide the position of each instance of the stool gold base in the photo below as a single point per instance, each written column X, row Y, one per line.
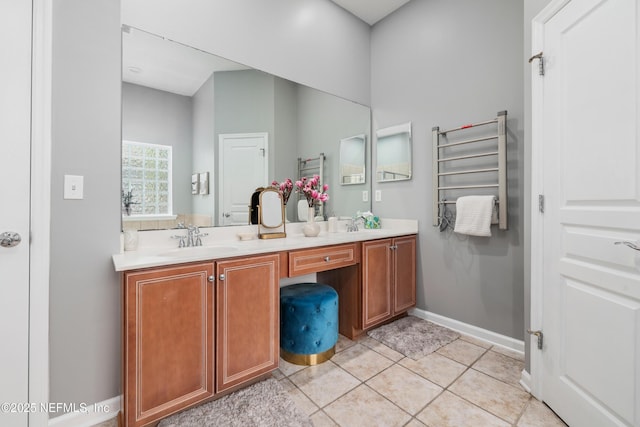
column 308, row 359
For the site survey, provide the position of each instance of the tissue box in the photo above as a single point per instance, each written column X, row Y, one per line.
column 372, row 222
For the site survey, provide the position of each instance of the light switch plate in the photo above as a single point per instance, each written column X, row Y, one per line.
column 365, row 196
column 378, row 195
column 73, row 187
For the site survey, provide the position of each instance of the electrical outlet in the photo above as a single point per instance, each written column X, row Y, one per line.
column 365, row 196
column 378, row 195
column 73, row 187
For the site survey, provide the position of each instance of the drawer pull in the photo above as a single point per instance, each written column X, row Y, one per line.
column 327, row 259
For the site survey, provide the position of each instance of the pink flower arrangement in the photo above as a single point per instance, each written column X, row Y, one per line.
column 285, row 188
column 310, row 189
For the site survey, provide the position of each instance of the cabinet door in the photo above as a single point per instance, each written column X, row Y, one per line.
column 168, row 340
column 247, row 319
column 376, row 282
column 404, row 273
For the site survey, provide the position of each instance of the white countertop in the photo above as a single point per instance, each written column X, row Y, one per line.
column 157, row 248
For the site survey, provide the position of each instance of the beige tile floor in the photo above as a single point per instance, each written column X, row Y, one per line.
column 465, row 383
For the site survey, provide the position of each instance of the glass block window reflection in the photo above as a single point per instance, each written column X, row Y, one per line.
column 146, row 171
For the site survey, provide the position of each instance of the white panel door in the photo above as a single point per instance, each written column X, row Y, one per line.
column 591, row 179
column 243, row 168
column 15, row 142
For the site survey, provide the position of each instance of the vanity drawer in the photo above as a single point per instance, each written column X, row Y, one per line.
column 322, row 259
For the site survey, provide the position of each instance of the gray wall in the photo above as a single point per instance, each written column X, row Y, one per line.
column 204, row 140
column 300, row 121
column 157, row 117
column 285, row 137
column 244, row 103
column 315, row 111
column 446, row 63
column 84, row 322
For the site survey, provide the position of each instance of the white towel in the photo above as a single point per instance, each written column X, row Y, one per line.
column 303, row 210
column 473, row 215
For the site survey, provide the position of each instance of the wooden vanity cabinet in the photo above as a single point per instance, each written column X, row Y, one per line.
column 168, row 340
column 190, row 335
column 247, row 319
column 195, row 331
column 404, row 273
column 336, row 266
column 388, row 279
column 305, row 261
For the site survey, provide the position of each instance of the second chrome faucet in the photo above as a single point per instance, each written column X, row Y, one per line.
column 192, row 238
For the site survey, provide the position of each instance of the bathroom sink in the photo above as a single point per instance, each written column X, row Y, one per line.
column 208, row 251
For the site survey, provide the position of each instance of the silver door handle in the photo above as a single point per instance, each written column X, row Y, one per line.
column 227, row 214
column 629, row 244
column 9, row 239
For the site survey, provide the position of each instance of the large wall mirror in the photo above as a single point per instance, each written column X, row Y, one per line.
column 184, row 111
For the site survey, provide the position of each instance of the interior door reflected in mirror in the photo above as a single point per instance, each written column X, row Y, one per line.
column 271, row 223
column 352, row 160
column 393, row 153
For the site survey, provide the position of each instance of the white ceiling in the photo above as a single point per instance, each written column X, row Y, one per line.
column 152, row 61
column 370, row 11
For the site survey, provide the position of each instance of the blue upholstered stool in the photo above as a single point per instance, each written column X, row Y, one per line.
column 308, row 323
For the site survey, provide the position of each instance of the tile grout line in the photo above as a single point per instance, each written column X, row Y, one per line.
column 394, row 362
column 470, row 367
column 412, row 417
column 350, row 390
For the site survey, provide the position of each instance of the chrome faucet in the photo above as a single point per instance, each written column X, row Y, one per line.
column 192, row 239
column 191, row 233
column 353, row 223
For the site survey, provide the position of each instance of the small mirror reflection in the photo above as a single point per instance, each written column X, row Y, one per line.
column 393, row 153
column 352, row 160
column 270, row 208
column 271, row 220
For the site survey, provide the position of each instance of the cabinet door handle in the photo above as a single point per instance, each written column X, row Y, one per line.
column 221, row 277
column 393, row 247
column 327, row 259
column 211, row 278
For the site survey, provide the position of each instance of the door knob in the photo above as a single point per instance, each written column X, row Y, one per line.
column 227, row 214
column 9, row 239
column 629, row 244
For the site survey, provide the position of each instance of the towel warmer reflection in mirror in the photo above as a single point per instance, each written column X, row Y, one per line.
column 440, row 145
column 309, row 168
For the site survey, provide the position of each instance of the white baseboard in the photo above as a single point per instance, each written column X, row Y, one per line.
column 88, row 415
column 525, row 381
column 473, row 331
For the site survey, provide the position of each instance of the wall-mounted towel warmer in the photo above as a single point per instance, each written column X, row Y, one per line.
column 478, row 149
column 309, row 168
